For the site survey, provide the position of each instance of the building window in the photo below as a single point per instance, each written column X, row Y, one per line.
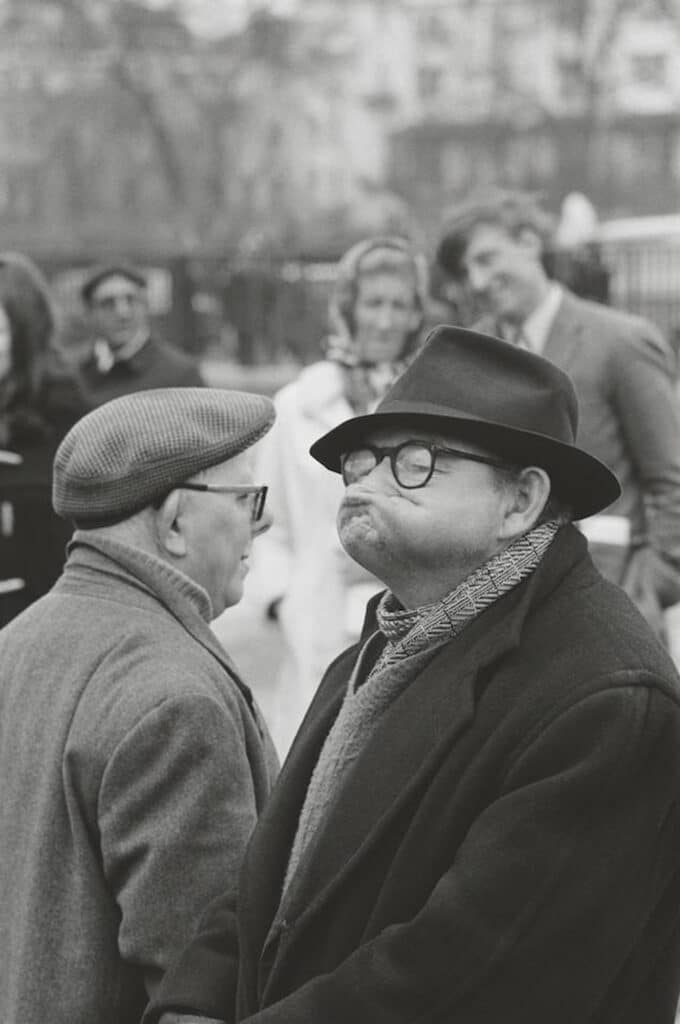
column 649, row 69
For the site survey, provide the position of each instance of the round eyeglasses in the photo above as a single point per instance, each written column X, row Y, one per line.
column 412, row 462
column 258, row 495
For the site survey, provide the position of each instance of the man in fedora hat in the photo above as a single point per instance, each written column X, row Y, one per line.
column 133, row 758
column 124, row 354
column 478, row 818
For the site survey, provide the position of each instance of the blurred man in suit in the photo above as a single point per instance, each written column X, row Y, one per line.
column 125, row 355
column 622, row 370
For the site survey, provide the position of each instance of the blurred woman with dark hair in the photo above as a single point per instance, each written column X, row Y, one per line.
column 301, row 573
column 39, row 400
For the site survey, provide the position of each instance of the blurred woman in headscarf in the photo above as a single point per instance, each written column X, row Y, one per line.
column 302, row 575
column 39, row 400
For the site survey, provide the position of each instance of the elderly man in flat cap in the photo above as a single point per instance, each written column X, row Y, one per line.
column 133, row 758
column 478, row 820
column 125, row 355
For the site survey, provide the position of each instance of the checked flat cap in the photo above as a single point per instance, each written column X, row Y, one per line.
column 122, row 456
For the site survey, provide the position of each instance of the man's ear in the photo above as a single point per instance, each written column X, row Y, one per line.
column 527, row 496
column 530, row 241
column 170, row 525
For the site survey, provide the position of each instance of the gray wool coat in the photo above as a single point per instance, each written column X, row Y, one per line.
column 134, row 763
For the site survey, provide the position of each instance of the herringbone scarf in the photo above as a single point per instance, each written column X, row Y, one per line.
column 413, row 636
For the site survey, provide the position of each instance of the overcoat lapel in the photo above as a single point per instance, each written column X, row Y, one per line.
column 565, row 340
column 272, row 841
column 405, row 749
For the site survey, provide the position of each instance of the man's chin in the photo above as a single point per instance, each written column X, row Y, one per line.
column 360, row 540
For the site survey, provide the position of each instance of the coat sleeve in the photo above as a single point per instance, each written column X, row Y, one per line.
column 649, row 413
column 176, row 808
column 202, row 981
column 547, row 895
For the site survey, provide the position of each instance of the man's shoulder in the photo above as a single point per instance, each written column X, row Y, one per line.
column 145, row 678
column 170, row 351
column 610, row 323
column 164, row 353
column 613, row 337
column 590, row 629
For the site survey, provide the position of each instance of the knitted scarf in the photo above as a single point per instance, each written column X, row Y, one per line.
column 413, row 637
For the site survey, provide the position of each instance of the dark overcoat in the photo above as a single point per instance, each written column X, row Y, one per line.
column 33, row 538
column 155, row 365
column 506, row 847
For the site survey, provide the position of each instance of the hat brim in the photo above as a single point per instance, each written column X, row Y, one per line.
column 577, row 478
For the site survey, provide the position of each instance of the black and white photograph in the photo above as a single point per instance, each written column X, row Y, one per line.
column 340, row 511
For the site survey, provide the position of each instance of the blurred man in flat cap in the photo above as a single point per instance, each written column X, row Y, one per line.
column 478, row 820
column 623, row 372
column 125, row 356
column 133, row 758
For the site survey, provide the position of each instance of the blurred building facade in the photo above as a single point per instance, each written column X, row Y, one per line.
column 554, row 96
column 313, row 120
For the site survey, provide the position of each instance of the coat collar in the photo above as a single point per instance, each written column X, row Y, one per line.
column 414, row 735
column 565, row 340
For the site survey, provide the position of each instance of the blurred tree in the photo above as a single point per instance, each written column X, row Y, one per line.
column 127, row 98
column 142, row 135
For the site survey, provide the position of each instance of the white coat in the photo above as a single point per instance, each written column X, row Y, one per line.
column 300, row 560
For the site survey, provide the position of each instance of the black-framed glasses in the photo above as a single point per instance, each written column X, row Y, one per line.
column 412, row 462
column 259, row 495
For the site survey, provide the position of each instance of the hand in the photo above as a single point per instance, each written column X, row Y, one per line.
column 653, row 584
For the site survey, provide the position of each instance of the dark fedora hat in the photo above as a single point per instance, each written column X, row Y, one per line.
column 516, row 404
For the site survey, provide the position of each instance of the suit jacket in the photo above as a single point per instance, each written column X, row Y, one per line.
column 628, row 414
column 629, row 417
column 155, row 365
column 504, row 848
